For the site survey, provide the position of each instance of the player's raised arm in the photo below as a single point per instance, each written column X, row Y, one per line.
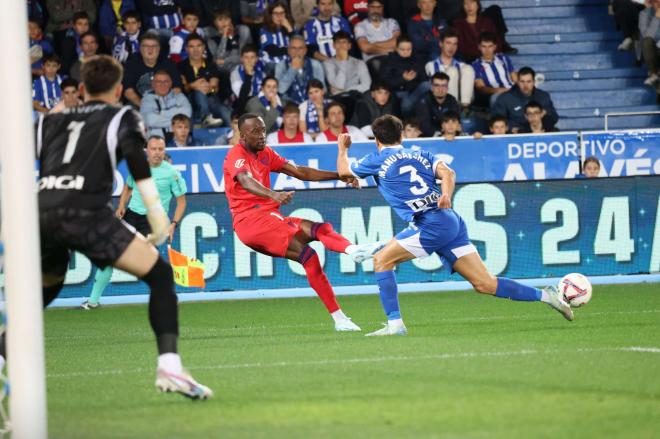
column 343, row 166
column 308, row 174
column 448, row 177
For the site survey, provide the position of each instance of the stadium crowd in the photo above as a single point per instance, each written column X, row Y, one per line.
column 441, row 65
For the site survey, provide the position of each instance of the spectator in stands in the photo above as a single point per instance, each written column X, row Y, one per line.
column 226, row 43
column 111, row 18
column 289, row 133
column 246, row 78
column 208, row 8
column 376, row 102
column 498, row 125
column 296, row 70
column 376, row 35
column 40, row 47
column 461, row 75
column 512, row 103
column 267, row 104
column 161, row 104
column 494, row 73
column 411, row 129
column 62, row 16
column 424, row 31
column 71, row 49
column 37, row 12
column 46, row 89
column 127, row 42
column 201, row 82
column 626, row 17
column 318, row 31
column 470, row 28
column 275, row 33
column 233, row 136
column 180, row 136
column 162, row 15
column 189, row 26
column 435, row 104
column 345, row 74
column 451, row 126
column 591, row 167
column 70, row 95
column 312, row 109
column 303, row 10
column 89, row 45
column 534, row 115
column 404, row 75
column 335, row 118
column 649, row 29
column 141, row 66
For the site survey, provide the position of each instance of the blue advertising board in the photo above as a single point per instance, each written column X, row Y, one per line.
column 522, row 230
column 491, row 158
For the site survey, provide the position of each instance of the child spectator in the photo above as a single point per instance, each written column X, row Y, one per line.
column 89, row 45
column 312, row 109
column 127, row 41
column 274, row 34
column 289, row 133
column 46, row 89
column 498, row 125
column 233, row 136
column 180, row 33
column 411, row 129
column 111, row 18
column 181, row 132
column 376, row 35
column 591, row 167
column 377, row 102
column 424, row 31
column 296, row 70
column 267, row 104
column 226, row 43
column 40, row 47
column 346, row 74
column 62, row 16
column 71, row 49
column 434, row 105
column 160, row 105
column 534, row 114
column 318, row 31
column 159, row 14
column 70, row 96
column 335, row 118
column 246, row 78
column 451, row 126
column 494, row 73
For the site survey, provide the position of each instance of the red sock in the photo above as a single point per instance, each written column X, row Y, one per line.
column 330, row 239
column 317, row 278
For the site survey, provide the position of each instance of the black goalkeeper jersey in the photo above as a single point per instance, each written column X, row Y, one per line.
column 78, row 152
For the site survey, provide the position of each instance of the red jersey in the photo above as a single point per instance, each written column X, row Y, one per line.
column 282, row 138
column 238, row 160
column 331, row 137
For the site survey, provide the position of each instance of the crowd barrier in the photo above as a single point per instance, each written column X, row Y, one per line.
column 524, row 229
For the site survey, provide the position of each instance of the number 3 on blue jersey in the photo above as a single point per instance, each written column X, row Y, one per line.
column 415, row 178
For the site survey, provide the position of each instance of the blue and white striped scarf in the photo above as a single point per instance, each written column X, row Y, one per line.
column 312, row 116
column 298, row 92
column 257, row 76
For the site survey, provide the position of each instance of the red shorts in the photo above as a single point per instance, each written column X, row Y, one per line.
column 268, row 232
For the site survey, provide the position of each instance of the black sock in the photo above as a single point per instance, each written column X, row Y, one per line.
column 163, row 311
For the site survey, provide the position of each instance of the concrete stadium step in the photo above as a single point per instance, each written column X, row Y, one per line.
column 555, row 12
column 505, row 4
column 601, row 111
column 623, row 72
column 547, row 63
column 557, row 25
column 566, row 47
column 563, row 37
column 590, row 84
column 598, row 123
column 598, row 98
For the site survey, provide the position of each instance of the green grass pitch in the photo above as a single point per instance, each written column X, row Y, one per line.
column 471, row 367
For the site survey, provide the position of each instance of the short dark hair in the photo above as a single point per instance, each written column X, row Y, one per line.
column 149, row 36
column 533, row 104
column 189, row 11
column 315, row 83
column 100, row 74
column 387, row 129
column 195, row 37
column 79, row 15
column 413, row 122
column 249, row 48
column 449, row 32
column 269, row 78
column 89, row 34
column 245, row 117
column 131, row 14
column 488, row 37
column 591, row 159
column 379, row 85
column 180, row 117
column 527, row 71
column 333, row 104
column 69, row 82
column 403, row 38
column 497, row 118
column 290, row 107
column 441, row 76
column 161, row 72
column 51, row 58
column 341, row 35
column 221, row 14
column 451, row 115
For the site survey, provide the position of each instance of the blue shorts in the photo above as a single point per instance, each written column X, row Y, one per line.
column 440, row 231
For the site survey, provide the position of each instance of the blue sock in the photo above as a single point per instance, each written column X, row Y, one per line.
column 510, row 289
column 101, row 280
column 389, row 294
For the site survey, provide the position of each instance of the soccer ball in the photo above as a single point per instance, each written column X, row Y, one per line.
column 576, row 289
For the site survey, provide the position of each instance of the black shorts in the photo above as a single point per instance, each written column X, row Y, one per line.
column 97, row 234
column 138, row 221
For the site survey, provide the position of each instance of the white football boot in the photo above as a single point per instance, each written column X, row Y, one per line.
column 390, row 328
column 345, row 324
column 557, row 302
column 361, row 252
column 182, row 383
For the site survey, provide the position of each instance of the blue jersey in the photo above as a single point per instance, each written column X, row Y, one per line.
column 405, row 178
column 319, row 33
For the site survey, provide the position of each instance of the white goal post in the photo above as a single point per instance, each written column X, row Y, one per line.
column 25, row 340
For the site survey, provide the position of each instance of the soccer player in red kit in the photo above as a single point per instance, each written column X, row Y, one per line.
column 259, row 223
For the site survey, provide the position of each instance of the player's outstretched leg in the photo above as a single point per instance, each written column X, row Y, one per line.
column 337, row 243
column 101, row 281
column 385, row 261
column 299, row 251
column 472, row 268
column 142, row 260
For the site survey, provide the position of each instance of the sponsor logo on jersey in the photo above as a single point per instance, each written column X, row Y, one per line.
column 63, row 182
column 239, row 163
column 425, row 203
